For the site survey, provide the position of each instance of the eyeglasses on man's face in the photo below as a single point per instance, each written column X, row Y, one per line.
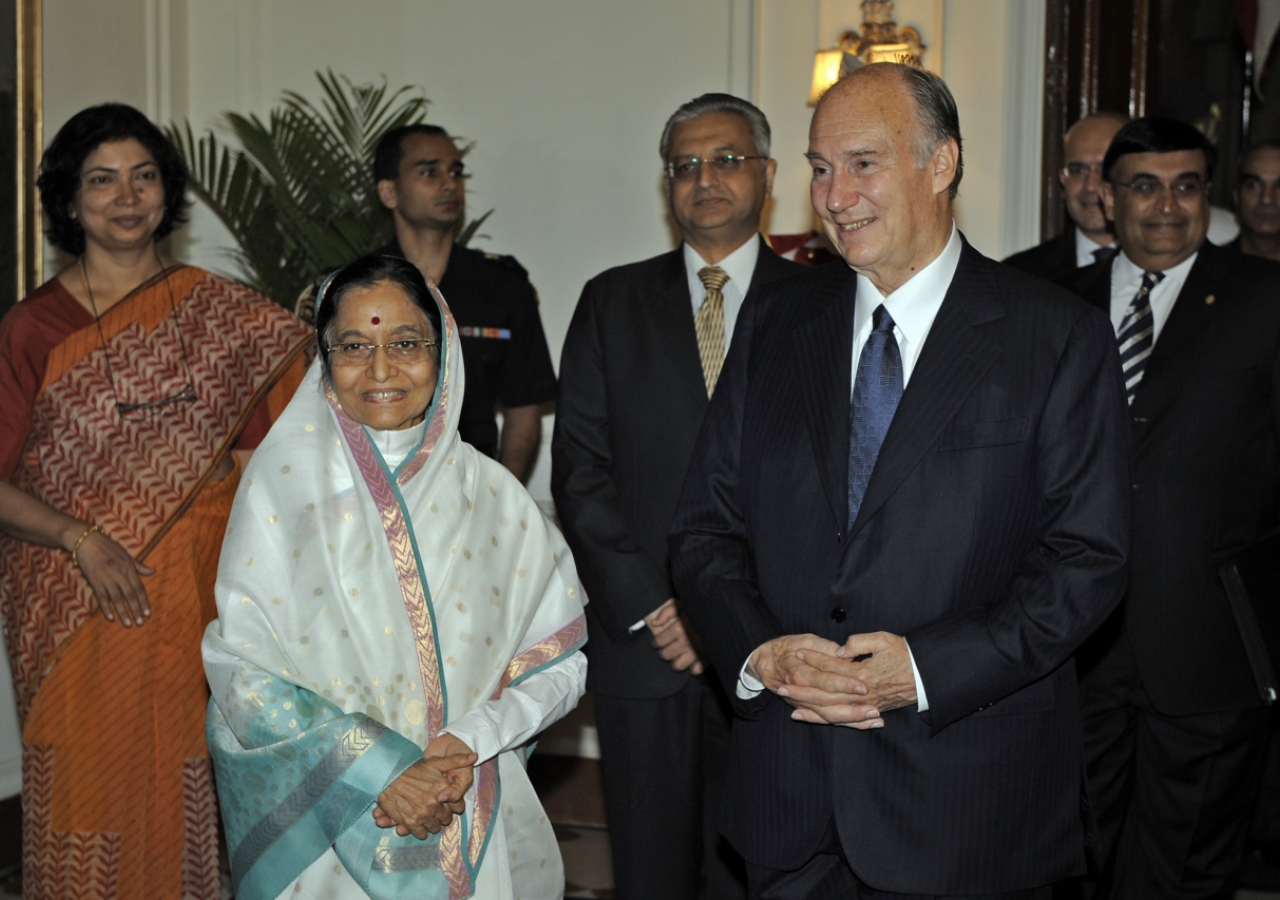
column 1257, row 184
column 1148, row 188
column 359, row 353
column 1079, row 171
column 686, row 168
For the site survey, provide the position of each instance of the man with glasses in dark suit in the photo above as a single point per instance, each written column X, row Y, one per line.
column 1088, row 238
column 641, row 359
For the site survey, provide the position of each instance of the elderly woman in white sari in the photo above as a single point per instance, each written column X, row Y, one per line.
column 397, row 621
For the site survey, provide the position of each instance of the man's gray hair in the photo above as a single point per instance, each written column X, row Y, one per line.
column 716, row 103
column 936, row 117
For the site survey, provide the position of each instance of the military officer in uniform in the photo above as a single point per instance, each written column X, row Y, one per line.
column 419, row 174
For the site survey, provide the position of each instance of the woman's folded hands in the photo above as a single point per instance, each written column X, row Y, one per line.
column 428, row 794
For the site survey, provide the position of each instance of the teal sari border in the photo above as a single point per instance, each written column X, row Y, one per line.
column 474, row 870
column 388, row 866
column 330, row 799
column 417, row 562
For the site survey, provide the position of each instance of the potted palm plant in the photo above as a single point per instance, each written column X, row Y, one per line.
column 295, row 190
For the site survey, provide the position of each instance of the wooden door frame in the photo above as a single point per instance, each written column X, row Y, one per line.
column 1072, row 54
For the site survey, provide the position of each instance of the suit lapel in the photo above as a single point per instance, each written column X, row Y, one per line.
column 1187, row 319
column 673, row 320
column 1065, row 255
column 955, row 357
column 824, row 348
column 770, row 266
column 1162, row 378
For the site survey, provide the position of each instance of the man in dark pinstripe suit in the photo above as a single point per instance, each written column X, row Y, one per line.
column 891, row 580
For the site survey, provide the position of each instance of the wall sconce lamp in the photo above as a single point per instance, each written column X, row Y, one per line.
column 880, row 41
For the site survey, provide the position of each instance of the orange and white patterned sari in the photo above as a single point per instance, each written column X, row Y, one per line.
column 118, row 798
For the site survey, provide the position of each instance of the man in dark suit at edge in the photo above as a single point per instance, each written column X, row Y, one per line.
column 915, row 559
column 1173, row 722
column 640, row 360
column 1088, row 238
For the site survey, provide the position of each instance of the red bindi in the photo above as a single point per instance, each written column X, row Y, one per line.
column 375, row 320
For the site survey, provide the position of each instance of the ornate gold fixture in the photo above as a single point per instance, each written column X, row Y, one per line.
column 880, row 41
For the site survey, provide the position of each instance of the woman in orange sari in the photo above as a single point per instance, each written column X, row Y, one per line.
column 126, row 383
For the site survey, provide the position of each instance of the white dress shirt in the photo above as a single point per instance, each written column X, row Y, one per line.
column 913, row 307
column 1126, row 279
column 739, row 265
column 1085, row 248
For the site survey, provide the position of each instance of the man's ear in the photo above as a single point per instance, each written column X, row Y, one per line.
column 945, row 159
column 1109, row 200
column 770, row 169
column 387, row 193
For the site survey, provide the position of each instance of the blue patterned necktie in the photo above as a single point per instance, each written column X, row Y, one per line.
column 877, row 388
column 1136, row 334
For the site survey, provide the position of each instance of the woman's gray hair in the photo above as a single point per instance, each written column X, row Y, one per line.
column 716, row 103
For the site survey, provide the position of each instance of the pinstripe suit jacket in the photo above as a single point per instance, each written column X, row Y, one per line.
column 992, row 535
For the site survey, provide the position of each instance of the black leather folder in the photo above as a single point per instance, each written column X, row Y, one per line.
column 1252, row 582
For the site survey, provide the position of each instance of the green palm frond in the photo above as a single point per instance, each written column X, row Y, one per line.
column 295, row 190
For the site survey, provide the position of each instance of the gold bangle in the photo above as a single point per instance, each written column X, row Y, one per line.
column 75, row 559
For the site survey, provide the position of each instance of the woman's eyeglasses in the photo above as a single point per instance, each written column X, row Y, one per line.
column 358, row 353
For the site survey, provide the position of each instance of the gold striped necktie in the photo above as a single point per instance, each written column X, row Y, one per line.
column 710, row 325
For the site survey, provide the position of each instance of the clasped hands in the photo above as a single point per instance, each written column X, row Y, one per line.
column 850, row 684
column 427, row 795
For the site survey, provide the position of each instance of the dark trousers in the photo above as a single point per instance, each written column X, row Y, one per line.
column 664, row 762
column 1172, row 795
column 827, row 876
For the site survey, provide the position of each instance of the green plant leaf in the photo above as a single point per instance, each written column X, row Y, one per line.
column 295, row 189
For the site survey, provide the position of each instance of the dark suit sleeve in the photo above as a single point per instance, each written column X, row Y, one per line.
column 1076, row 573
column 1275, row 414
column 710, row 559
column 626, row 584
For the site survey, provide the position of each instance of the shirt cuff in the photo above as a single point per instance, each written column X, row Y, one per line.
column 748, row 686
column 479, row 735
column 922, row 699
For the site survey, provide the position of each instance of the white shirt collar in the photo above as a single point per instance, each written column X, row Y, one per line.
column 1085, row 247
column 915, row 304
column 1126, row 278
column 739, row 265
column 1126, row 271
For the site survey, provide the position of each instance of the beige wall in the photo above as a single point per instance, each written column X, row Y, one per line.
column 565, row 99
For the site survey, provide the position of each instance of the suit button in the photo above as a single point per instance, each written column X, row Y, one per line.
column 837, row 615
